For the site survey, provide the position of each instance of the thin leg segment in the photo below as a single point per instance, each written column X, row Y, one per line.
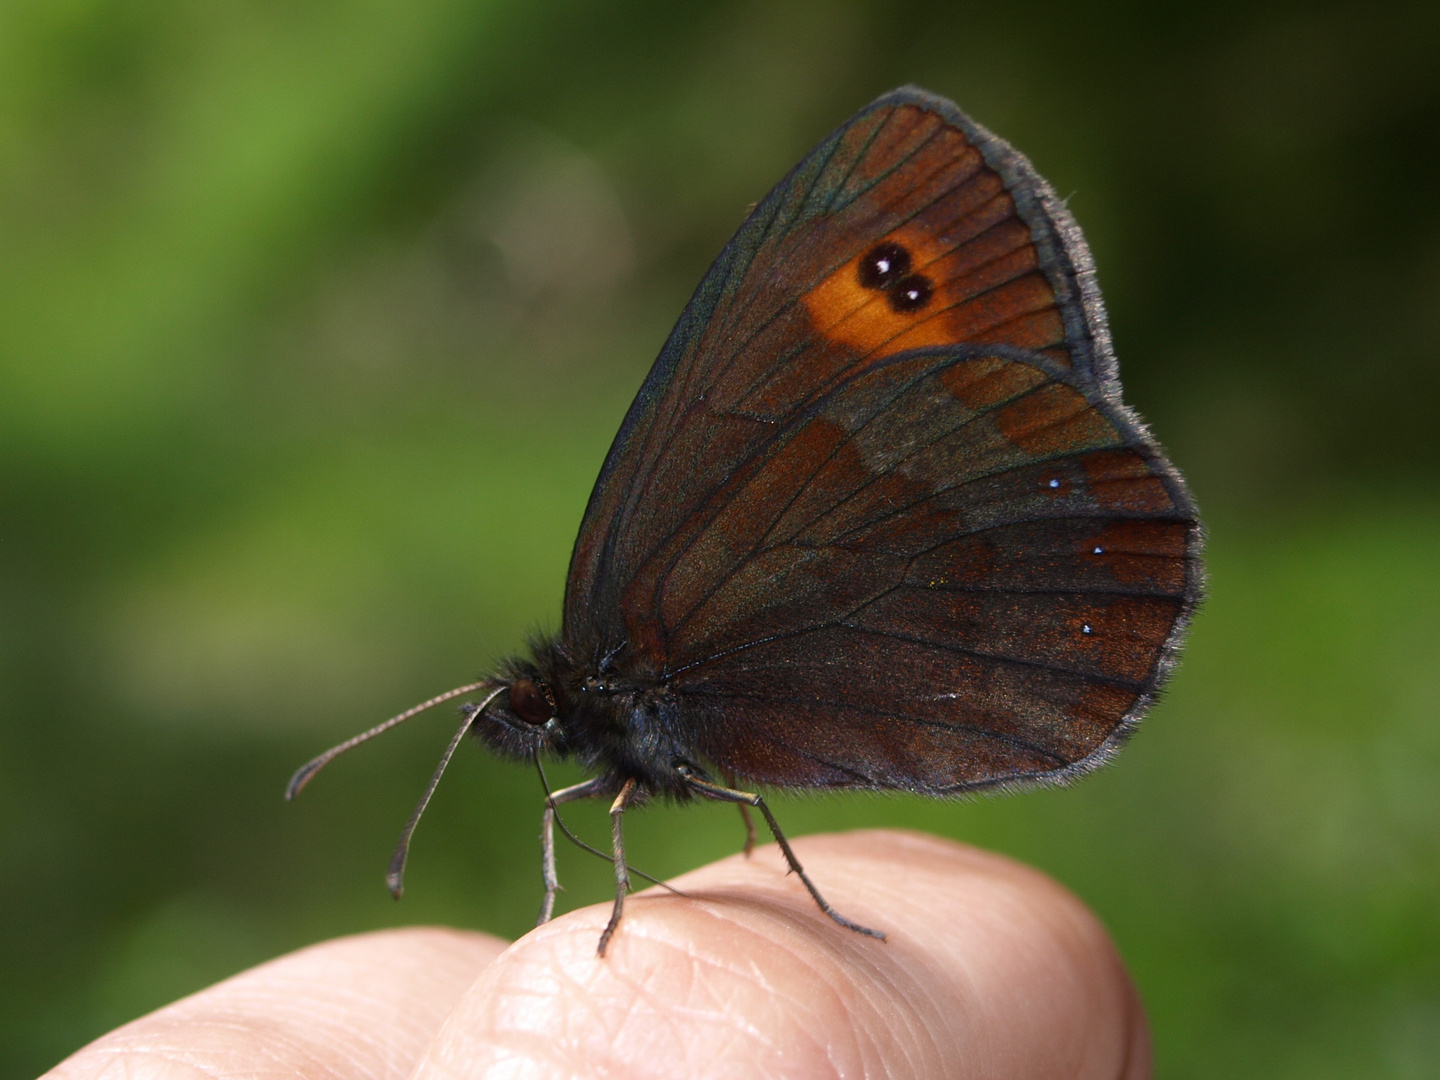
column 746, row 798
column 622, row 872
column 749, row 828
column 745, row 817
column 587, row 790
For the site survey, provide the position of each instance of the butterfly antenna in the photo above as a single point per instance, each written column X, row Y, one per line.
column 395, row 876
column 308, row 770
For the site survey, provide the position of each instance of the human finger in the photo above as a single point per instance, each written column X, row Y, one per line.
column 362, row 1006
column 991, row 969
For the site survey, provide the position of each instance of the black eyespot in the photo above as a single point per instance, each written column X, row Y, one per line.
column 911, row 293
column 883, row 265
column 529, row 703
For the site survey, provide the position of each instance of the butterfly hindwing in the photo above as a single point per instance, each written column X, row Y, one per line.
column 957, row 569
column 785, row 314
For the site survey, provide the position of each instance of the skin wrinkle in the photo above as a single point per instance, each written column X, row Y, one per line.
column 795, row 939
column 581, row 991
column 874, row 1037
column 875, row 986
column 868, row 1031
column 991, row 971
column 811, row 1012
column 276, row 1046
column 714, row 1014
column 208, row 1062
column 721, row 1012
column 921, row 1043
column 335, row 996
column 569, row 1050
column 143, row 1066
column 921, row 989
column 786, row 948
column 648, row 1001
column 141, row 1063
column 592, row 1006
column 986, row 897
column 750, row 972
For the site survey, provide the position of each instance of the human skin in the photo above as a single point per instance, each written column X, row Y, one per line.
column 990, row 970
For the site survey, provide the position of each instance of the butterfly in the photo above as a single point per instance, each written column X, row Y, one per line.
column 877, row 518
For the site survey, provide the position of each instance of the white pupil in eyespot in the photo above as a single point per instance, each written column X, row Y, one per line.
column 1054, row 483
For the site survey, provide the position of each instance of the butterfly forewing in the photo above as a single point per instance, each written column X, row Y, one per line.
column 783, row 315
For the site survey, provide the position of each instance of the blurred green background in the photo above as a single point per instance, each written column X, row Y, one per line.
column 316, row 320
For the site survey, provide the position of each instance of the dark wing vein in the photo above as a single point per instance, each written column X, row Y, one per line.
column 759, row 545
column 770, row 444
column 886, row 714
column 920, row 449
column 997, row 525
column 980, row 654
column 864, row 152
column 723, row 364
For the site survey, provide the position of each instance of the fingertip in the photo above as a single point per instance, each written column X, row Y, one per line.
column 365, row 1005
column 988, row 963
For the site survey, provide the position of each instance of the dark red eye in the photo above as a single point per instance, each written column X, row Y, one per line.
column 529, row 703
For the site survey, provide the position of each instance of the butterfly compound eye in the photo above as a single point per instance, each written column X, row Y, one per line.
column 883, row 265
column 528, row 703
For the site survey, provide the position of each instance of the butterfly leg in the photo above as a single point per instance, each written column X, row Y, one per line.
column 746, row 798
column 745, row 817
column 622, row 872
column 586, row 790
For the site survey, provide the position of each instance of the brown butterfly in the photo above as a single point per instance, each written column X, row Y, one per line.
column 877, row 517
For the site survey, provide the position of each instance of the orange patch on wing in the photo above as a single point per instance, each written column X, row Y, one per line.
column 989, row 289
column 846, row 312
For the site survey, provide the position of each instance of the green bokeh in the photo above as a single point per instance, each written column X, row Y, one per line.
column 316, row 320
